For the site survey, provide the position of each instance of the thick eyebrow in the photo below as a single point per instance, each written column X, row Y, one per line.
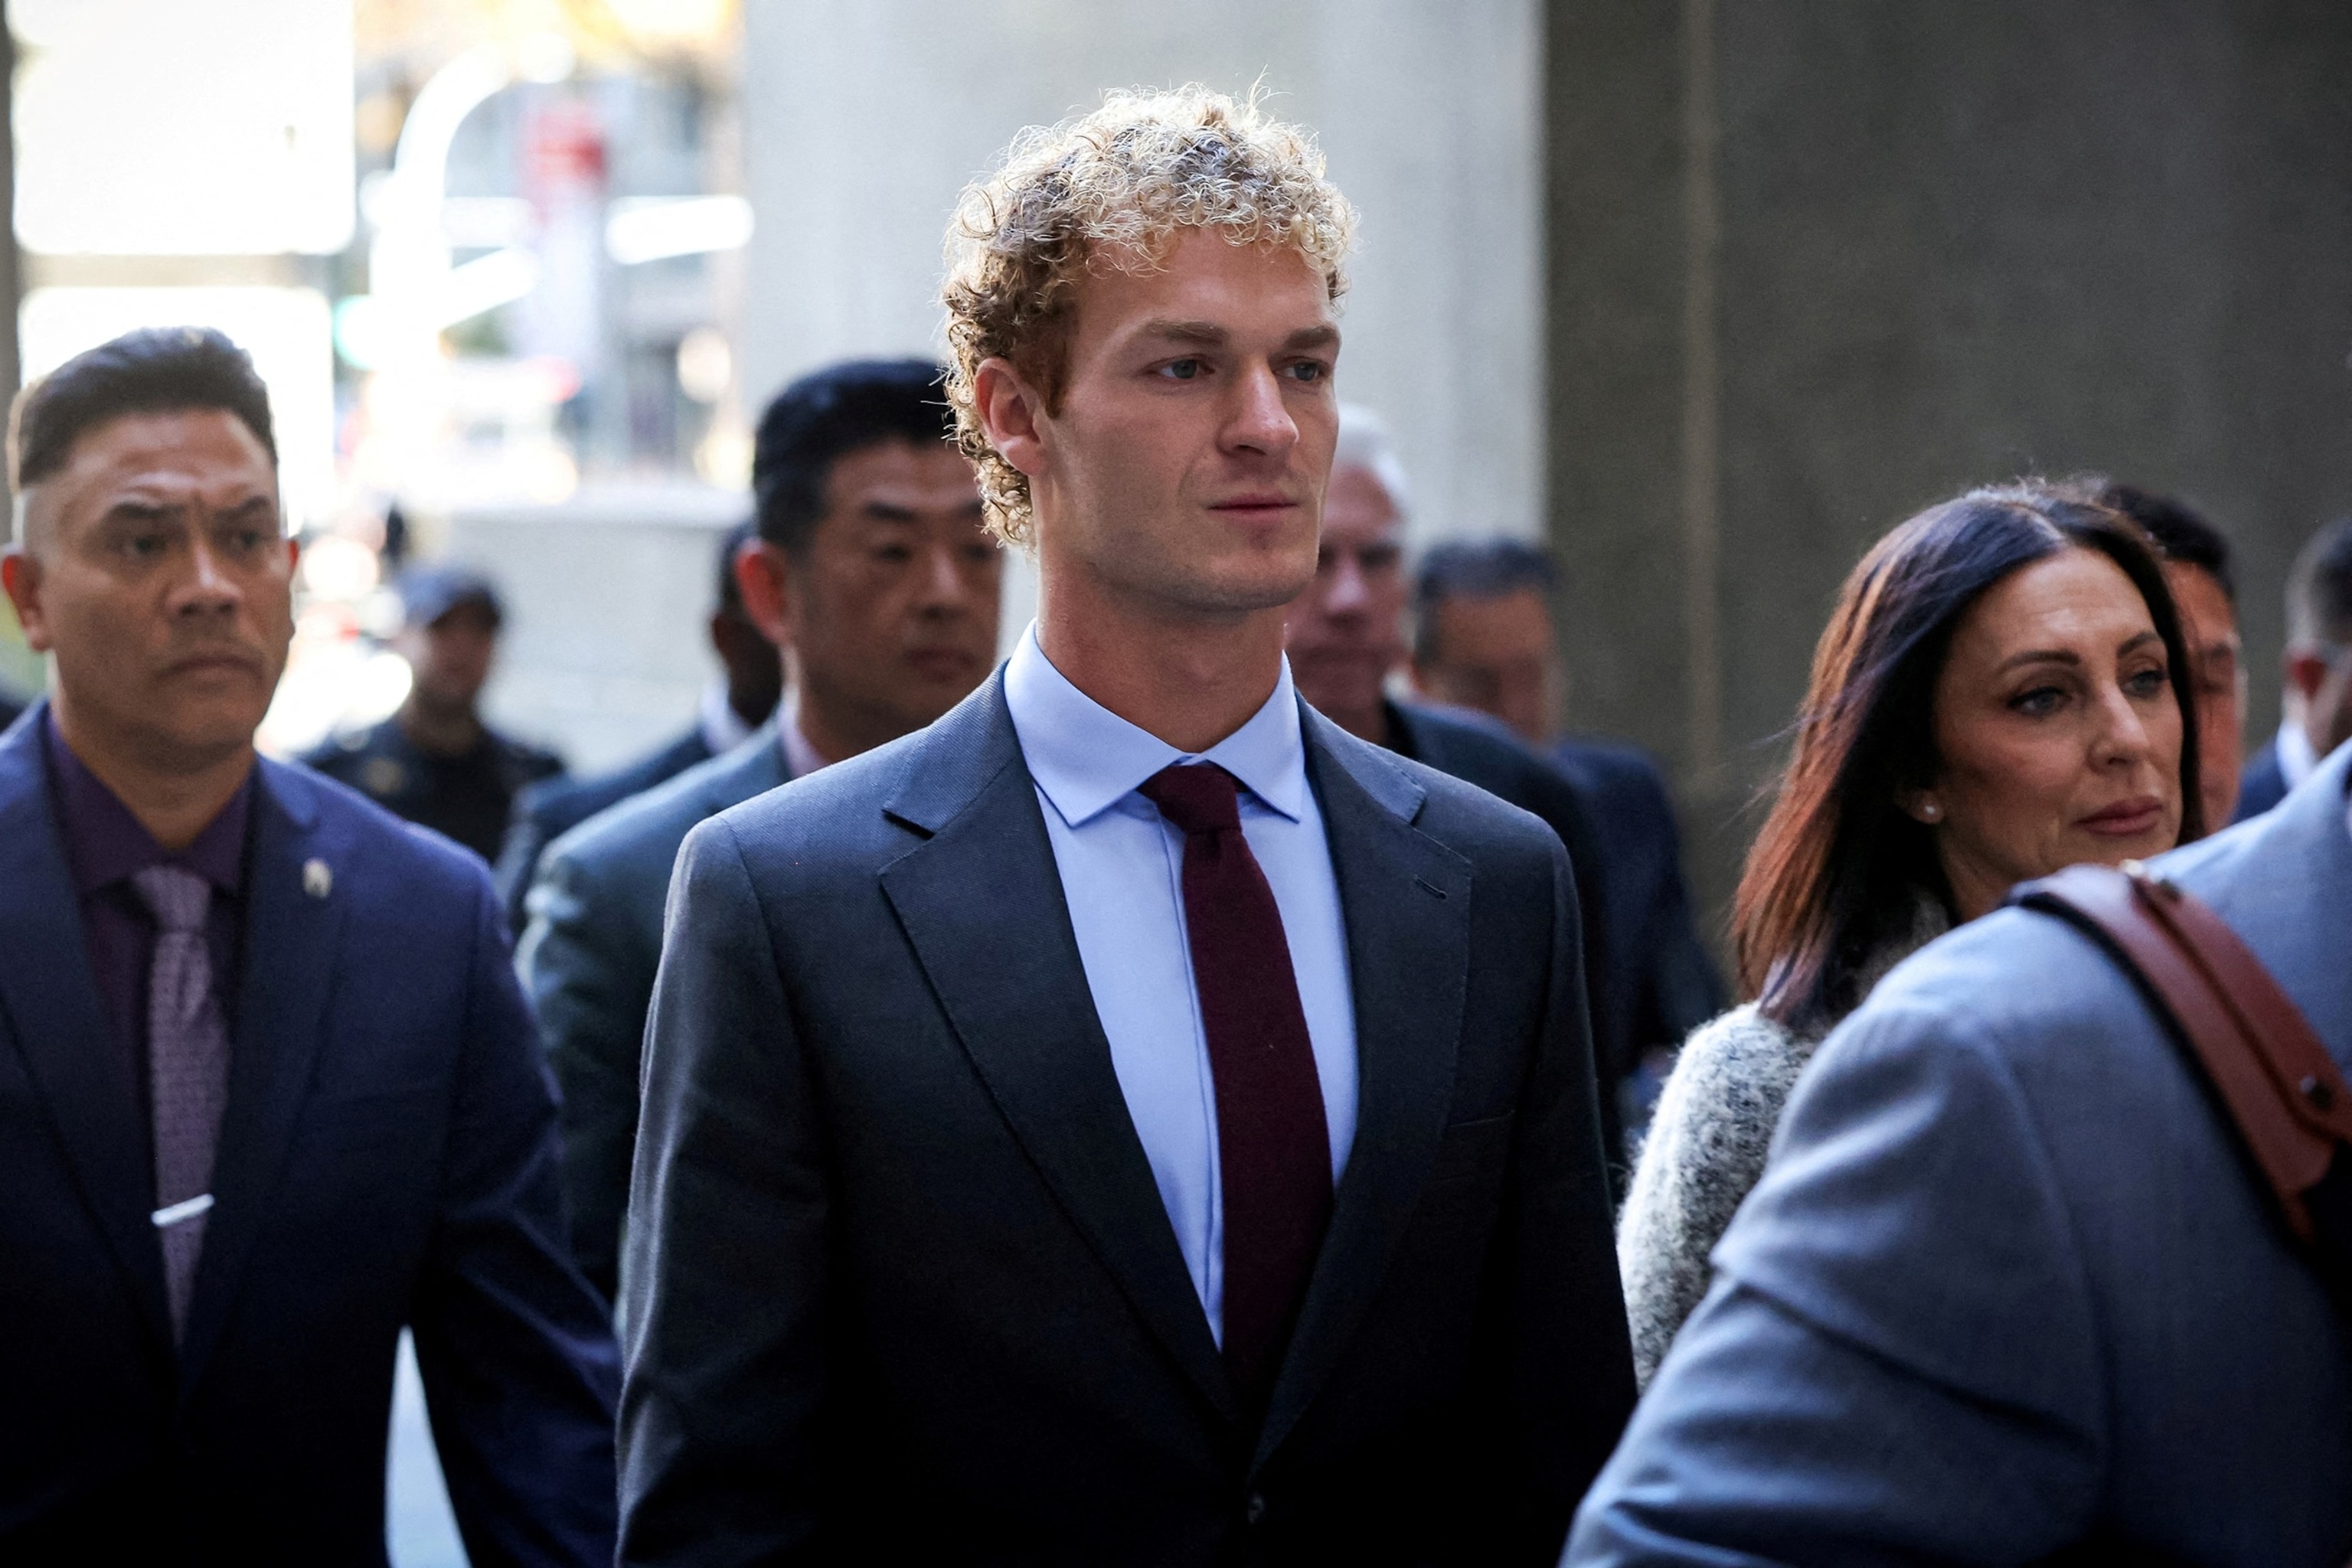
column 1322, row 337
column 1208, row 334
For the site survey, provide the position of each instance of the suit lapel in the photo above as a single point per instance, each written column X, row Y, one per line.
column 1406, row 902
column 981, row 900
column 50, row 1000
column 293, row 934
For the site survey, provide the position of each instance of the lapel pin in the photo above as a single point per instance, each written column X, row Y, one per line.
column 317, row 881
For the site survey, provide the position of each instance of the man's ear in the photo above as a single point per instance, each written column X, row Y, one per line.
column 763, row 572
column 20, row 573
column 1011, row 415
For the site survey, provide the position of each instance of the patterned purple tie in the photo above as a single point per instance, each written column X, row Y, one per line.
column 187, row 1057
column 1274, row 1146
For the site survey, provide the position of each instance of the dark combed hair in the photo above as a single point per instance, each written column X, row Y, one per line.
column 1839, row 868
column 2319, row 588
column 156, row 369
column 1472, row 569
column 825, row 416
column 2180, row 531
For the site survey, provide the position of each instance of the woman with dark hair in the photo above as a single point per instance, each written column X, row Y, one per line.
column 2002, row 691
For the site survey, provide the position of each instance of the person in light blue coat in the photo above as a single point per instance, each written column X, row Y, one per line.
column 2007, row 1289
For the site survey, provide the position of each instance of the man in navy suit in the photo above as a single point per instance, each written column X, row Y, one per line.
column 1131, row 1120
column 2318, row 668
column 734, row 705
column 871, row 572
column 269, row 1091
column 2012, row 1290
column 1482, row 638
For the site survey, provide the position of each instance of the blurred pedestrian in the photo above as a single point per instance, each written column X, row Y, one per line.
column 1482, row 638
column 2317, row 701
column 735, row 703
column 1345, row 636
column 2196, row 558
column 873, row 574
column 2003, row 690
column 269, row 1091
column 2013, row 1289
column 435, row 762
column 1133, row 1118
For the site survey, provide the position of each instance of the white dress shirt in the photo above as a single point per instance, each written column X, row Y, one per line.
column 2297, row 760
column 1122, row 866
column 801, row 759
column 723, row 727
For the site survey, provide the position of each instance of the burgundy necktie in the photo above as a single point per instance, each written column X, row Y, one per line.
column 1273, row 1147
column 187, row 1052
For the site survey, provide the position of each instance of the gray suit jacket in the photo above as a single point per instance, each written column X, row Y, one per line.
column 900, row 1284
column 2008, row 1284
column 588, row 958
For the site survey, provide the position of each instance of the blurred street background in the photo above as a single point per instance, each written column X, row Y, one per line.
column 1704, row 297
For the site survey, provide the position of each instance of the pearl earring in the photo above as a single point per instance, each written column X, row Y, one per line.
column 1929, row 811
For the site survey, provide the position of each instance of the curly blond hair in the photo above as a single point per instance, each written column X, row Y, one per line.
column 1111, row 189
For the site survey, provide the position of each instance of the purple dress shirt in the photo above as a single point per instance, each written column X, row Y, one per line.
column 105, row 848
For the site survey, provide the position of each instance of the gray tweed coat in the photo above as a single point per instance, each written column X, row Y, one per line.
column 1705, row 1149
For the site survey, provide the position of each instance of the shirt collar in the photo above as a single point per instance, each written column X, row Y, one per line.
column 2298, row 761
column 105, row 844
column 1087, row 758
column 801, row 759
column 723, row 727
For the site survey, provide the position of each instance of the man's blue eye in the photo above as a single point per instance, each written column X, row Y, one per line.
column 1307, row 370
column 1183, row 369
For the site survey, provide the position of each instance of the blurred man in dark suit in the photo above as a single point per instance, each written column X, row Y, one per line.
column 1131, row 1120
column 1346, row 638
column 1482, row 638
column 738, row 701
column 874, row 576
column 269, row 1091
column 2317, row 701
column 435, row 762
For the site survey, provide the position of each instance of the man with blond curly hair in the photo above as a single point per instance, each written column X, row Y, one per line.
column 1131, row 1121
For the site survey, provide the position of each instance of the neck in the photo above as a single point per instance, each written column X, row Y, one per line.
column 1190, row 677
column 445, row 730
column 833, row 731
column 173, row 799
column 1365, row 722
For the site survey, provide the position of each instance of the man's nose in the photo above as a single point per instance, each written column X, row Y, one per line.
column 209, row 586
column 943, row 588
column 1261, row 420
column 1348, row 594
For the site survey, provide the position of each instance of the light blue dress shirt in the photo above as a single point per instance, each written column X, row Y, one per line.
column 1122, row 866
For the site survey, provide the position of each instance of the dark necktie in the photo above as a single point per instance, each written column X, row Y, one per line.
column 187, row 1071
column 1274, row 1148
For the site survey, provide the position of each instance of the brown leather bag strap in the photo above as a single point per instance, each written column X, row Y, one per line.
column 2280, row 1086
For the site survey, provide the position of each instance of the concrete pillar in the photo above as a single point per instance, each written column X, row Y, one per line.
column 1815, row 265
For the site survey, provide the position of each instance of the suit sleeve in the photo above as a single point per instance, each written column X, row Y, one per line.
column 1899, row 1361
column 723, row 1419
column 515, row 1349
column 583, row 959
column 1564, row 1374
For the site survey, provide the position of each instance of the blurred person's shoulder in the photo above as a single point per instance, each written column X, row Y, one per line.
column 521, row 762
column 1616, row 774
column 367, row 850
column 652, row 823
column 1470, row 791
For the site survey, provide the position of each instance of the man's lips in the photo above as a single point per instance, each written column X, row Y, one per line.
column 215, row 662
column 2125, row 818
column 941, row 663
column 1255, row 504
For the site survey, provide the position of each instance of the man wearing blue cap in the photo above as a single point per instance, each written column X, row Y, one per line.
column 435, row 762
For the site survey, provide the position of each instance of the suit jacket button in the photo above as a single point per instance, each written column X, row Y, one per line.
column 1254, row 1510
